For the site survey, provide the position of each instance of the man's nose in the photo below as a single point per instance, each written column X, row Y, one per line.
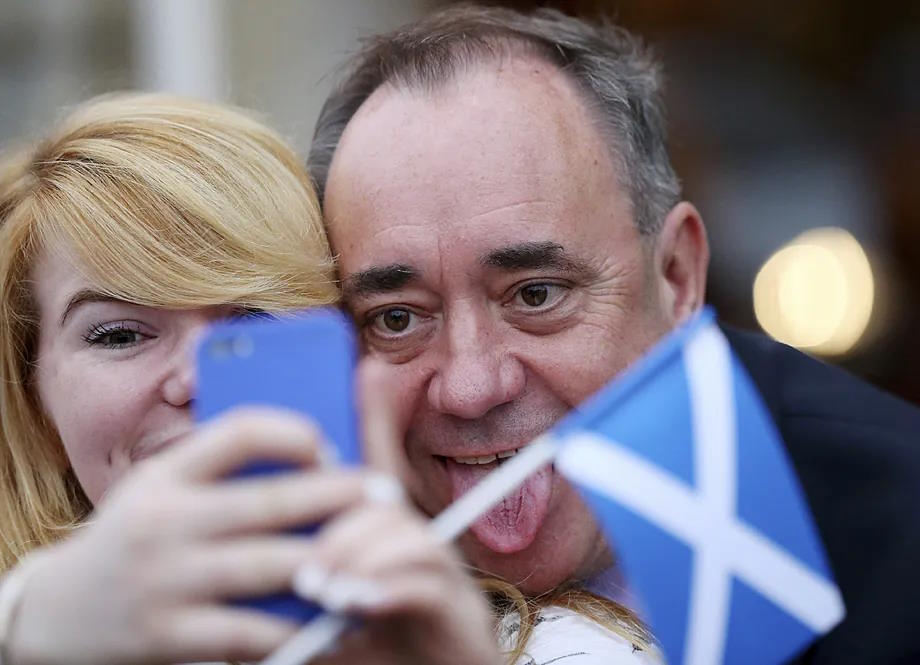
column 477, row 373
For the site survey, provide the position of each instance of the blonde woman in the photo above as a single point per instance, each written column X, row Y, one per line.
column 137, row 222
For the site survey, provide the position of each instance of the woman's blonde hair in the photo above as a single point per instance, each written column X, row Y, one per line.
column 508, row 601
column 162, row 202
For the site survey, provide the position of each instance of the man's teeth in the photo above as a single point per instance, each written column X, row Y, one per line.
column 485, row 459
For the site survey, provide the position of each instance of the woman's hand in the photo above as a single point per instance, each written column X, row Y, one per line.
column 148, row 579
column 382, row 563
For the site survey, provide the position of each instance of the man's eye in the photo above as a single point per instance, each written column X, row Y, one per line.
column 534, row 296
column 394, row 320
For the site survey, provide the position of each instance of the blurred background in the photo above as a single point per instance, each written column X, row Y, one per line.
column 795, row 127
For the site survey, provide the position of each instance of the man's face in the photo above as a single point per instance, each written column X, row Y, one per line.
column 489, row 254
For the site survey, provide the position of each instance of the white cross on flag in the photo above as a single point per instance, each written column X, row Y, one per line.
column 689, row 479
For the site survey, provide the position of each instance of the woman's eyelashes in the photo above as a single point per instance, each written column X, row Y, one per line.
column 122, row 333
column 116, row 334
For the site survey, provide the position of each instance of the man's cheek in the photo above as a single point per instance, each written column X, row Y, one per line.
column 573, row 367
column 428, row 485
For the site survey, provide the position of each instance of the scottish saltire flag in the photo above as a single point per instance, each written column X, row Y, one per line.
column 689, row 479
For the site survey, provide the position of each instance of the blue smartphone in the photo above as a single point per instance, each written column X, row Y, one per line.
column 304, row 363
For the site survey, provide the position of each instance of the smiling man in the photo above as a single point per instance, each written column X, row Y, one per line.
column 494, row 260
column 510, row 237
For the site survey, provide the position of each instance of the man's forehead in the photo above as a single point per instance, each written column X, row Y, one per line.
column 429, row 247
column 477, row 86
column 510, row 115
column 499, row 157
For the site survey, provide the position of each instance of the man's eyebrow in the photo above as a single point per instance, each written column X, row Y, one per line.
column 378, row 279
column 535, row 256
column 82, row 297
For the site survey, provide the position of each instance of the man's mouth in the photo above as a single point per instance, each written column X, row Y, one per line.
column 485, row 459
column 512, row 524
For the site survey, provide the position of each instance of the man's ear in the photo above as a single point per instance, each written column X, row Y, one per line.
column 681, row 259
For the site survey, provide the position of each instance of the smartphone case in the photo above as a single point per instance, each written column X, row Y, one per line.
column 304, row 363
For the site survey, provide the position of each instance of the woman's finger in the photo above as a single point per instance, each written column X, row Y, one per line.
column 242, row 568
column 412, row 592
column 219, row 633
column 383, row 441
column 372, row 541
column 241, row 437
column 277, row 502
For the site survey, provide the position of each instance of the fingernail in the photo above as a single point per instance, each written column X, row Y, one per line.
column 344, row 592
column 327, row 455
column 383, row 488
column 310, row 581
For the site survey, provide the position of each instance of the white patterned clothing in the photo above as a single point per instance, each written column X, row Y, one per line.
column 563, row 637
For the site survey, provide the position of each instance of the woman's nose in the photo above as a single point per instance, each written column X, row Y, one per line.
column 180, row 383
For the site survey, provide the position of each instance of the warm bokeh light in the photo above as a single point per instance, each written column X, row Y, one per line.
column 816, row 293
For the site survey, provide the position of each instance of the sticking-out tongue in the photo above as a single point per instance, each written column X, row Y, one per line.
column 512, row 525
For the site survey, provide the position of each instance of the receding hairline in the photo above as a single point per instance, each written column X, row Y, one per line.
column 514, row 50
column 616, row 72
column 465, row 57
column 469, row 59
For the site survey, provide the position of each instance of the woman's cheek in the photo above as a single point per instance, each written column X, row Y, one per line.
column 97, row 416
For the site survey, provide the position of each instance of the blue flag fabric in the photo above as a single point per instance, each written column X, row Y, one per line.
column 689, row 480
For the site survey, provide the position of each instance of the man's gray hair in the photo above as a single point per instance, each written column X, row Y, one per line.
column 614, row 73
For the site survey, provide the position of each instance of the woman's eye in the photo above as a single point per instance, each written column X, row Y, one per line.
column 535, row 296
column 394, row 320
column 121, row 338
column 117, row 336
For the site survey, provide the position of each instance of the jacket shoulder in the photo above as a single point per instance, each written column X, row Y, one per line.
column 856, row 451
